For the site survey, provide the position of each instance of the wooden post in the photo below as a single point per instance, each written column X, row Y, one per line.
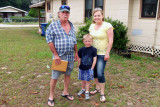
column 39, row 16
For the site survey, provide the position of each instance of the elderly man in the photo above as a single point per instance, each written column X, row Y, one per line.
column 60, row 36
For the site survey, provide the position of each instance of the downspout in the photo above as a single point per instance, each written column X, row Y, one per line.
column 155, row 33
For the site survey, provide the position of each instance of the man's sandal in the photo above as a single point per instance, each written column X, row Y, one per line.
column 102, row 98
column 69, row 97
column 51, row 103
column 95, row 91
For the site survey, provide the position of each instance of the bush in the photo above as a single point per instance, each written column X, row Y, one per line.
column 84, row 29
column 23, row 19
column 1, row 19
column 120, row 33
column 49, row 22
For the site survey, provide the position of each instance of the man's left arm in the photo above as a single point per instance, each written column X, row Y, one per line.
column 76, row 53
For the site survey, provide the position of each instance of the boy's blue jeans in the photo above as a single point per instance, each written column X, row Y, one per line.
column 99, row 69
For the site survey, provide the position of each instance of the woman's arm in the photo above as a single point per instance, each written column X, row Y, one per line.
column 110, row 37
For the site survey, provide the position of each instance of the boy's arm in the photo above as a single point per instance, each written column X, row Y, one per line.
column 94, row 62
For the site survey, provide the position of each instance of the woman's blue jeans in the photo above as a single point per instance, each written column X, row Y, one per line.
column 99, row 69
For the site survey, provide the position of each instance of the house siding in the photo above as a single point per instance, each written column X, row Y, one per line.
column 6, row 12
column 76, row 14
column 77, row 10
column 143, row 33
column 117, row 10
column 147, row 28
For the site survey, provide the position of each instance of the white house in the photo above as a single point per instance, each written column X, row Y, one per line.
column 6, row 12
column 141, row 16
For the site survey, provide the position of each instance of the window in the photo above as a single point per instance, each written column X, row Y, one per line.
column 48, row 6
column 88, row 8
column 90, row 4
column 149, row 8
column 64, row 2
column 99, row 3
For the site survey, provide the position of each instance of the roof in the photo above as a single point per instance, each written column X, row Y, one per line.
column 15, row 9
column 38, row 5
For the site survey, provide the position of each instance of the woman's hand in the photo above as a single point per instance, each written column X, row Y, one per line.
column 106, row 57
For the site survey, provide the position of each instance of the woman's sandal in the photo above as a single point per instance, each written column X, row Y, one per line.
column 102, row 98
column 51, row 102
column 95, row 91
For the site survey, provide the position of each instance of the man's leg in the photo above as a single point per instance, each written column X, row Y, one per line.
column 66, row 85
column 52, row 87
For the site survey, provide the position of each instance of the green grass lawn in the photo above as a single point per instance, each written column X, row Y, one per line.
column 24, row 76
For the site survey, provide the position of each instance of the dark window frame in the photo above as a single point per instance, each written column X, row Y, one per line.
column 88, row 12
column 145, row 5
column 102, row 7
column 93, row 6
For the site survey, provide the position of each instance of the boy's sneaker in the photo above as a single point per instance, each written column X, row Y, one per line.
column 87, row 97
column 81, row 92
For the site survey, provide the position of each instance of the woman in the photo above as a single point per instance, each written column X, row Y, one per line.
column 102, row 33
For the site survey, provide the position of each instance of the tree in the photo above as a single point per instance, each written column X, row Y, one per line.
column 4, row 3
column 21, row 4
column 25, row 5
column 33, row 12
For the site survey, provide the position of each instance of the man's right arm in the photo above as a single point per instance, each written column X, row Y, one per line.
column 49, row 39
column 53, row 50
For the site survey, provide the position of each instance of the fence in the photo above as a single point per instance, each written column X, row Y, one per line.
column 19, row 20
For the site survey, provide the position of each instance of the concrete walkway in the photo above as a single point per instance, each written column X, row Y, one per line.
column 6, row 25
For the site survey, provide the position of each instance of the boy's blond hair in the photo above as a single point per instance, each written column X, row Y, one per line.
column 87, row 36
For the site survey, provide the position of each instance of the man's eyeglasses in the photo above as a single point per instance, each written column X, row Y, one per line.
column 65, row 7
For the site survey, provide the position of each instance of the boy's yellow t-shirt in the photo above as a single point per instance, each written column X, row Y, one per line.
column 100, row 37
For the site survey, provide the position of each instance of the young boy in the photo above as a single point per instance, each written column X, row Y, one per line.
column 88, row 57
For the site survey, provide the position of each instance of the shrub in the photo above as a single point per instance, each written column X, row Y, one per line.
column 49, row 22
column 84, row 29
column 120, row 33
column 23, row 19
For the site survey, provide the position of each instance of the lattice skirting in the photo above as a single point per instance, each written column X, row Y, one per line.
column 157, row 51
column 145, row 48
